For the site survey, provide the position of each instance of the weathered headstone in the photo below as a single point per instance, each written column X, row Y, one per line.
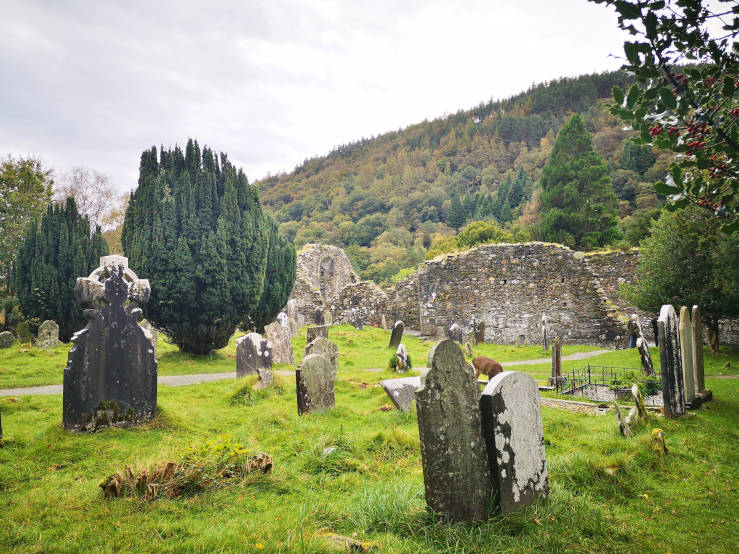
column 397, row 334
column 479, row 332
column 111, row 372
column 48, row 335
column 315, row 331
column 511, row 425
column 253, row 354
column 282, row 350
column 455, row 333
column 623, row 424
column 456, row 474
column 639, row 401
column 686, row 354
column 151, row 333
column 646, row 357
column 328, row 317
column 384, row 323
column 700, row 380
column 324, row 347
column 468, row 349
column 401, row 356
column 282, row 320
column 318, row 316
column 7, row 339
column 670, row 364
column 314, row 381
column 544, row 332
column 401, row 391
column 356, row 319
column 556, row 361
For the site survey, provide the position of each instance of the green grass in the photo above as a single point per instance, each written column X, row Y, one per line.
column 608, row 493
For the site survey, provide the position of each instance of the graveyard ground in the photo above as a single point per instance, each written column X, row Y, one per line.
column 608, row 493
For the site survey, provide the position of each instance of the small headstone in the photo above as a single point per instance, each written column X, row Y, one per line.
column 7, row 339
column 282, row 320
column 544, row 332
column 401, row 391
column 315, row 331
column 401, row 356
column 639, row 401
column 253, row 354
column 686, row 354
column 384, row 323
column 456, row 474
column 152, row 335
column 478, row 330
column 314, row 381
column 646, row 356
column 48, row 335
column 328, row 318
column 700, row 380
column 292, row 309
column 455, row 333
column 511, row 425
column 397, row 334
column 670, row 363
column 623, row 425
column 324, row 347
column 468, row 349
column 282, row 350
column 356, row 319
column 318, row 316
column 658, row 442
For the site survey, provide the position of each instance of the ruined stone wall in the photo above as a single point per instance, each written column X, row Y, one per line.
column 370, row 301
column 510, row 286
column 403, row 303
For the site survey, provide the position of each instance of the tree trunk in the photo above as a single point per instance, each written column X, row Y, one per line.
column 712, row 332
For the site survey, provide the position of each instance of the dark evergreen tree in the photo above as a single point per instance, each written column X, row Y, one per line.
column 578, row 202
column 637, row 157
column 195, row 228
column 54, row 252
column 456, row 213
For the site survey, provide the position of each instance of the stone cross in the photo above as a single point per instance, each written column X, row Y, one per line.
column 511, row 425
column 111, row 372
column 670, row 362
column 456, row 474
column 279, row 341
column 397, row 334
column 686, row 354
column 315, row 331
column 314, row 380
column 401, row 356
column 401, row 391
column 253, row 355
column 48, row 335
column 700, row 380
column 324, row 347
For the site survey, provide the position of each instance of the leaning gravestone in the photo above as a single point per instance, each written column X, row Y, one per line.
column 670, row 363
column 315, row 331
column 324, row 347
column 456, row 474
column 455, row 333
column 111, row 372
column 7, row 339
column 401, row 391
column 253, row 355
column 700, row 380
column 402, row 363
column 314, row 380
column 511, row 425
column 396, row 335
column 48, row 335
column 282, row 350
column 646, row 356
column 686, row 354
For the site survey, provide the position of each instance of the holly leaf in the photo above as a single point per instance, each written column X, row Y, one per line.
column 618, row 95
column 667, row 98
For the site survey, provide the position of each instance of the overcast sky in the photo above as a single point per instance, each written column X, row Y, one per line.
column 269, row 82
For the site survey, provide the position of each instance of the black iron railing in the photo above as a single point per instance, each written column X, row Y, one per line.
column 617, row 380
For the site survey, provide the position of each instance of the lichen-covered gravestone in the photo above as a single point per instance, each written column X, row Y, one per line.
column 670, row 363
column 646, row 357
column 254, row 355
column 328, row 318
column 396, row 335
column 324, row 347
column 282, row 350
column 401, row 391
column 402, row 360
column 700, row 380
column 511, row 423
column 456, row 474
column 6, row 339
column 384, row 323
column 314, row 381
column 686, row 354
column 111, row 372
column 48, row 335
column 455, row 333
column 315, row 331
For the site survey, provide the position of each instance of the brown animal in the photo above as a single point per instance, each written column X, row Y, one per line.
column 486, row 366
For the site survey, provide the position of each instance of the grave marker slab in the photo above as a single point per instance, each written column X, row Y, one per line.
column 700, row 380
column 314, row 380
column 686, row 354
column 396, row 335
column 384, row 323
column 282, row 350
column 455, row 333
column 511, row 424
column 646, row 357
column 401, row 356
column 7, row 339
column 315, row 331
column 324, row 347
column 48, row 335
column 253, row 354
column 670, row 363
column 401, row 391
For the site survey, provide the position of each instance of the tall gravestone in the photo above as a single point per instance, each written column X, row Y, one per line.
column 314, row 381
column 279, row 341
column 456, row 474
column 315, row 331
column 48, row 335
column 556, row 361
column 396, row 335
column 111, row 372
column 544, row 332
column 511, row 425
column 253, row 355
column 670, row 363
column 324, row 347
column 686, row 354
column 700, row 380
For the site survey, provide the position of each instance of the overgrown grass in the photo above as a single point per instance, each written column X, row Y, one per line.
column 357, row 470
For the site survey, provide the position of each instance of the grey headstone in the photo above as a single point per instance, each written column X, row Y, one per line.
column 455, row 333
column 7, row 339
column 356, row 319
column 397, row 334
column 670, row 363
column 401, row 391
column 318, row 316
column 384, row 323
column 324, row 347
column 401, row 357
column 456, row 474
column 544, row 332
column 111, row 372
column 282, row 350
column 315, row 331
column 328, row 318
column 314, row 380
column 468, row 349
column 48, row 335
column 686, row 354
column 282, row 320
column 646, row 356
column 511, row 423
column 700, row 380
column 292, row 309
column 253, row 354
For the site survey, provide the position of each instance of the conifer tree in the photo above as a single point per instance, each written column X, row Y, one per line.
column 54, row 252
column 578, row 202
column 195, row 228
column 456, row 212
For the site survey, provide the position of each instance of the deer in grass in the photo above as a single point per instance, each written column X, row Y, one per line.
column 486, row 366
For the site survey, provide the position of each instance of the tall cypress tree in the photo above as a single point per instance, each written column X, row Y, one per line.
column 578, row 202
column 195, row 228
column 54, row 252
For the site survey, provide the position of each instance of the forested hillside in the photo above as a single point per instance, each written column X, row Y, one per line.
column 387, row 199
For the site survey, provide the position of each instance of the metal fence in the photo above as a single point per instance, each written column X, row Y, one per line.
column 607, row 382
